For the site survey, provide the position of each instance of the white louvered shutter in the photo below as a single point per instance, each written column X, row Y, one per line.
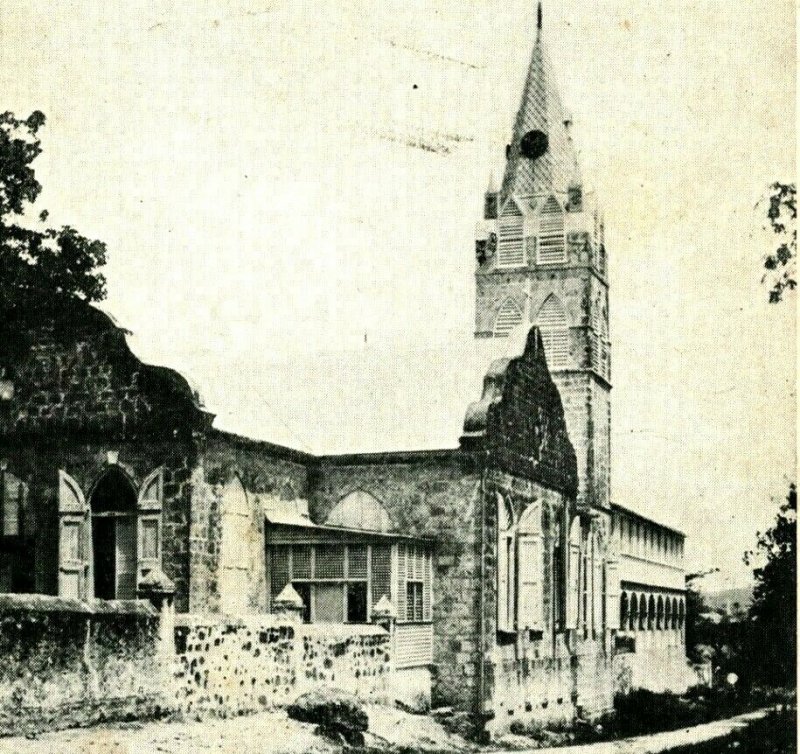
column 509, row 317
column 612, row 595
column 531, row 569
column 75, row 578
column 573, row 578
column 551, row 248
column 511, row 247
column 597, row 589
column 552, row 323
column 402, row 578
column 503, row 616
column 150, row 504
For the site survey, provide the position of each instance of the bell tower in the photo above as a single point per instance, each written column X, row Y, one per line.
column 541, row 261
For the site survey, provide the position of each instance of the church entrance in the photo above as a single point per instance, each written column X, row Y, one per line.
column 113, row 509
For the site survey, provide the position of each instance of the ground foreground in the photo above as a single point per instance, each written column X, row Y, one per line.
column 390, row 731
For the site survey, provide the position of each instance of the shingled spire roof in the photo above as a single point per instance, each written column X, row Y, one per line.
column 540, row 110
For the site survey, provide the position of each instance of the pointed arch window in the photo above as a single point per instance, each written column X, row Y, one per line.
column 552, row 323
column 551, row 248
column 506, row 566
column 511, row 246
column 508, row 317
column 234, row 554
column 573, row 573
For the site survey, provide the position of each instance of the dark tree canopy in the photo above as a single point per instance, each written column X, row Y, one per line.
column 774, row 608
column 38, row 264
column 781, row 265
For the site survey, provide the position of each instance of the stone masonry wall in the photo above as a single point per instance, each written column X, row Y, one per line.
column 36, row 462
column 74, row 374
column 264, row 470
column 235, row 666
column 67, row 663
column 435, row 495
column 658, row 664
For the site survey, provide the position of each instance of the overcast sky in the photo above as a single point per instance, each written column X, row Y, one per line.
column 276, row 179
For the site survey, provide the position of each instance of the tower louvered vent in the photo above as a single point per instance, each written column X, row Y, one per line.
column 552, row 323
column 508, row 318
column 511, row 251
column 551, row 248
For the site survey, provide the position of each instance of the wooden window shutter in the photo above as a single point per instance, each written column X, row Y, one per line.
column 401, row 582
column 503, row 618
column 552, row 323
column 509, row 316
column 75, row 577
column 149, row 509
column 551, row 248
column 427, row 587
column 511, row 252
column 573, row 578
column 597, row 588
column 531, row 570
column 612, row 595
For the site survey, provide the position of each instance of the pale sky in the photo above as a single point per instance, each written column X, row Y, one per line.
column 255, row 169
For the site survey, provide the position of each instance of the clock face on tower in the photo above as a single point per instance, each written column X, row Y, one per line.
column 533, row 145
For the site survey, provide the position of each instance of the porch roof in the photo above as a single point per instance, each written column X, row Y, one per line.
column 285, row 523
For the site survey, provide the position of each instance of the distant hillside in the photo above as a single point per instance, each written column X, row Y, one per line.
column 725, row 597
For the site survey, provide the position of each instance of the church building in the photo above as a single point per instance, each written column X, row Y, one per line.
column 517, row 589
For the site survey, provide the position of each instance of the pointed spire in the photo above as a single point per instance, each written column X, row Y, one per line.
column 540, row 110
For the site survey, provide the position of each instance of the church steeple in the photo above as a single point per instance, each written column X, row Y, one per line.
column 541, row 156
column 541, row 260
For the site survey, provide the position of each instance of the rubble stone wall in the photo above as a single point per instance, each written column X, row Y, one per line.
column 235, row 666
column 67, row 663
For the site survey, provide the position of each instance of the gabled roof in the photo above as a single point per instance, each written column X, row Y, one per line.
column 540, row 110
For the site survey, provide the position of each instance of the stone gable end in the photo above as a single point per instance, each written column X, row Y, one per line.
column 526, row 433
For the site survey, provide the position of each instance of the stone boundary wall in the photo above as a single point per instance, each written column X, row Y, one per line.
column 67, row 663
column 233, row 666
column 658, row 664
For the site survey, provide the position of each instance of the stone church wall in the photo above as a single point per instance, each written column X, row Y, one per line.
column 36, row 462
column 437, row 495
column 265, row 471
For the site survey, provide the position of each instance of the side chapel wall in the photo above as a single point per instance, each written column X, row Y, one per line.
column 435, row 495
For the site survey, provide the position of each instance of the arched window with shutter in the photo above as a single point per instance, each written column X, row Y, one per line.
column 552, row 323
column 574, row 573
column 508, row 317
column 530, row 547
column 612, row 588
column 633, row 613
column 75, row 577
column 506, row 566
column 598, row 588
column 551, row 248
column 511, row 241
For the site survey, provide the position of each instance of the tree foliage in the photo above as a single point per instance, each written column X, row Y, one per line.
column 38, row 264
column 774, row 609
column 781, row 264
